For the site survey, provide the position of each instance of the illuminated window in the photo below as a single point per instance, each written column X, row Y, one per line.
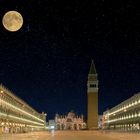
column 139, row 114
column 1, row 91
column 135, row 102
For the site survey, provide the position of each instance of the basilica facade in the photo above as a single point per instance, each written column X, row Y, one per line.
column 70, row 122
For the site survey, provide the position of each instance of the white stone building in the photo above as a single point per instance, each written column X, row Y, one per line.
column 16, row 116
column 70, row 122
column 124, row 116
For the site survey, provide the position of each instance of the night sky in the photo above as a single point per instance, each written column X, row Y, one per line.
column 46, row 62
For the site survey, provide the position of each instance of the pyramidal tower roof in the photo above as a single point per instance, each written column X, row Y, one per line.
column 92, row 68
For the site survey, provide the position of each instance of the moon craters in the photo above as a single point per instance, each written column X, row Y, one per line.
column 12, row 21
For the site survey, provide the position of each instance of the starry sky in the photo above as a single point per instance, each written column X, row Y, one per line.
column 46, row 62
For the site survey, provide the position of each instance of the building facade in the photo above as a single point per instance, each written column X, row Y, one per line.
column 69, row 122
column 51, row 125
column 17, row 116
column 124, row 116
column 100, row 121
column 92, row 95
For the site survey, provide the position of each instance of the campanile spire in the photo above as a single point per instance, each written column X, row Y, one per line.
column 92, row 68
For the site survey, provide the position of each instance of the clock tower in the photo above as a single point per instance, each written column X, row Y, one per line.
column 92, row 94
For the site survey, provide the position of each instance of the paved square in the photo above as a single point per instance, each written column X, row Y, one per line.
column 72, row 135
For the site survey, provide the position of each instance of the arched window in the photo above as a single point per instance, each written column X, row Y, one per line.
column 69, row 120
column 92, row 85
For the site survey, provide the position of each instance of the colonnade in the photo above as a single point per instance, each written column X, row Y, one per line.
column 125, row 116
column 17, row 116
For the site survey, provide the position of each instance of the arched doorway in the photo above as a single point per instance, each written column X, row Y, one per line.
column 80, row 126
column 58, row 126
column 75, row 126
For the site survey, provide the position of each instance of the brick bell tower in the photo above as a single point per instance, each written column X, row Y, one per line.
column 92, row 94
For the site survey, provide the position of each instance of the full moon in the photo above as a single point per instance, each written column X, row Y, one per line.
column 12, row 21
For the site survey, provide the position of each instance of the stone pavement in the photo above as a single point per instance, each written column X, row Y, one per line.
column 72, row 135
